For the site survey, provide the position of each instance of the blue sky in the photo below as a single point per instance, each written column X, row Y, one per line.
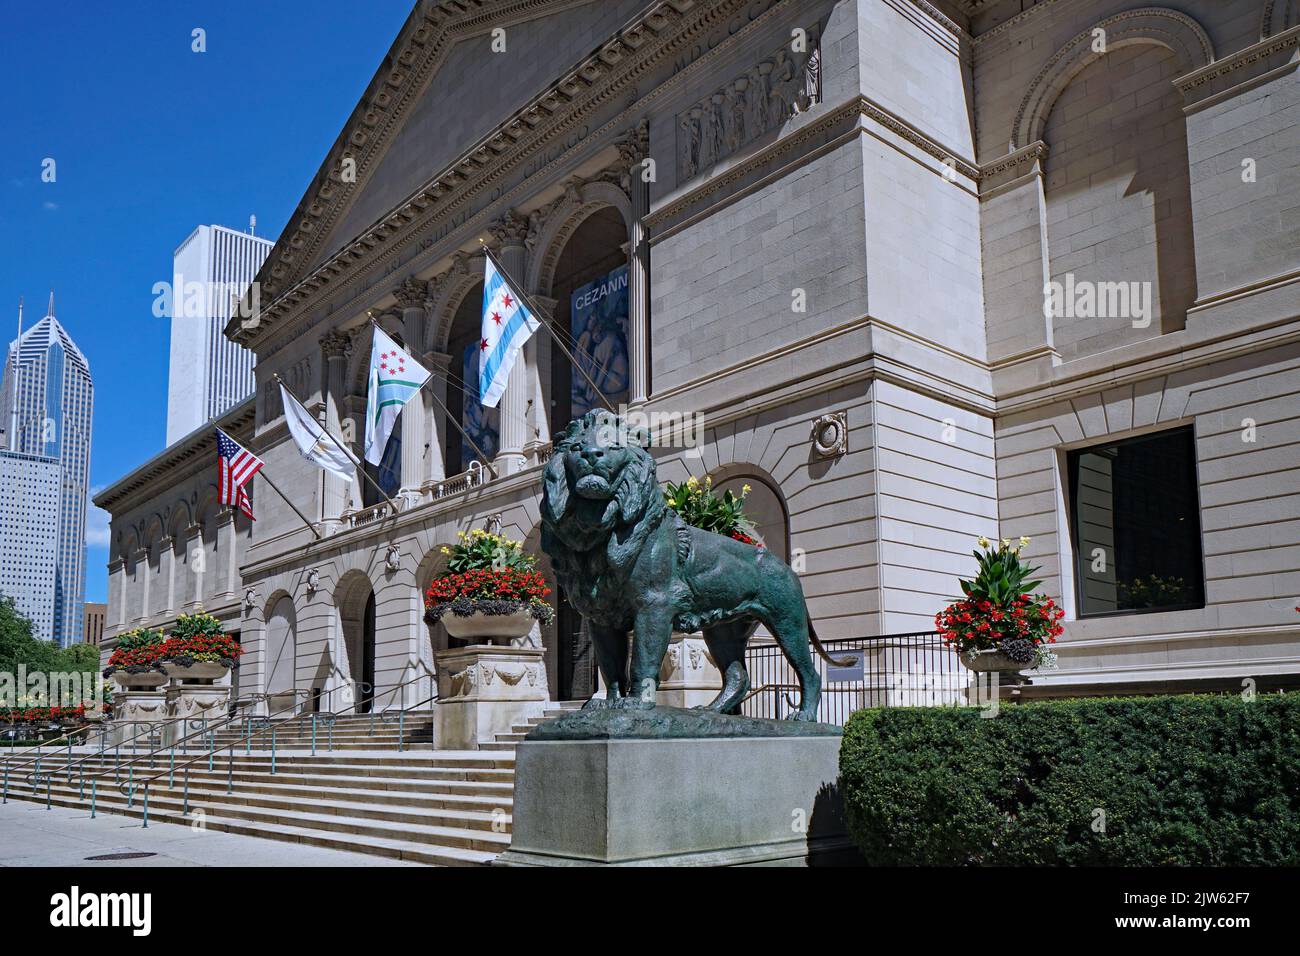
column 150, row 139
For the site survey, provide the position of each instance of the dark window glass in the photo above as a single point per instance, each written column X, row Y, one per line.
column 1135, row 518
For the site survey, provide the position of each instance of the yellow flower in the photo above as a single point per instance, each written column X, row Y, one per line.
column 708, row 480
column 692, row 481
column 445, row 549
column 982, row 541
column 1006, row 542
column 461, row 535
column 744, row 489
column 1024, row 541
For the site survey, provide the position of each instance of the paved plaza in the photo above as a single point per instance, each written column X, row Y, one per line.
column 33, row 836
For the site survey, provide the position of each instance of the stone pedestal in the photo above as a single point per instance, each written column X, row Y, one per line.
column 688, row 676
column 132, row 709
column 736, row 801
column 484, row 690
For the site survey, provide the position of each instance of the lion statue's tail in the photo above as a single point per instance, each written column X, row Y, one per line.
column 817, row 644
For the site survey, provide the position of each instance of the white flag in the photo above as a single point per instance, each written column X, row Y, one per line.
column 395, row 378
column 507, row 324
column 309, row 435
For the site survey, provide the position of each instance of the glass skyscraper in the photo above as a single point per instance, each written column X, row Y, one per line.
column 51, row 420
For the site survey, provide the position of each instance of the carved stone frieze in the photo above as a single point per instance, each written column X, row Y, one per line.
column 758, row 100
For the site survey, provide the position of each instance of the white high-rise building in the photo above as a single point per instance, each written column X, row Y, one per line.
column 51, row 420
column 30, row 495
column 208, row 373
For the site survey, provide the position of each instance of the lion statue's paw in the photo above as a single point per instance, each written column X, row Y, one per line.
column 633, row 703
column 597, row 703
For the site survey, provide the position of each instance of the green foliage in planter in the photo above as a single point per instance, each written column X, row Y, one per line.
column 197, row 625
column 1181, row 780
column 140, row 637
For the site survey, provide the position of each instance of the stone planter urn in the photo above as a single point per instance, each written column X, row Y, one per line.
column 148, row 680
column 200, row 672
column 485, row 690
column 480, row 628
column 995, row 661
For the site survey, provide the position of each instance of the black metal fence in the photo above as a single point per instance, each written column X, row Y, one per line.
column 894, row 670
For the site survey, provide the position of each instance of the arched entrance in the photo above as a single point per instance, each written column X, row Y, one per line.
column 589, row 286
column 354, row 599
column 281, row 655
column 590, row 292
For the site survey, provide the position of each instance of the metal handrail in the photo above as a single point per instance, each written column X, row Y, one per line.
column 36, row 759
column 230, row 761
column 271, row 724
column 401, row 717
column 150, row 729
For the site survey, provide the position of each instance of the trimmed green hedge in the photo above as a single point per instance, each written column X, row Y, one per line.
column 1185, row 780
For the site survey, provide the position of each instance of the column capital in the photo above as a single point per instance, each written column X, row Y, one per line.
column 634, row 145
column 510, row 230
column 336, row 344
column 411, row 293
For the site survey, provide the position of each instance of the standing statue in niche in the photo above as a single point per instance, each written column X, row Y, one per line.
column 628, row 563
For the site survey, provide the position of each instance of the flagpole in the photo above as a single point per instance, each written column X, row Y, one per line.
column 325, row 428
column 546, row 324
column 311, row 527
column 472, row 444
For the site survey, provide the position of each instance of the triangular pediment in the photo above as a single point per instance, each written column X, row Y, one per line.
column 441, row 89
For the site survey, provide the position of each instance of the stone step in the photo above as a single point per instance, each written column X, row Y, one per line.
column 244, row 802
column 324, row 774
column 498, row 788
column 457, row 850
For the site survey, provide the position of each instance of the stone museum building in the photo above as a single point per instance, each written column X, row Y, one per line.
column 915, row 271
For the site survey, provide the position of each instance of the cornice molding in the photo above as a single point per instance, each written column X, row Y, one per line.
column 238, row 423
column 416, row 55
column 1195, row 81
column 662, row 31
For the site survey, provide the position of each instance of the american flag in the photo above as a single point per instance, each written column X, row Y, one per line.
column 236, row 466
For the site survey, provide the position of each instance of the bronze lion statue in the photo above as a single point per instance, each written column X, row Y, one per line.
column 628, row 563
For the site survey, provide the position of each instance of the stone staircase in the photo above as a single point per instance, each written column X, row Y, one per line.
column 440, row 807
column 350, row 732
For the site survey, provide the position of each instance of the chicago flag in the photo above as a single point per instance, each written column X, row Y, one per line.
column 395, row 378
column 506, row 327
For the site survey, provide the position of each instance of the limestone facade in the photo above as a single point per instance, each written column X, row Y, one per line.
column 838, row 217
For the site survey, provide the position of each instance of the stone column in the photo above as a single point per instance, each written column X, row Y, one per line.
column 634, row 151
column 410, row 297
column 142, row 571
column 540, row 352
column 354, row 410
column 117, row 585
column 226, row 550
column 435, row 467
column 195, row 561
column 168, row 559
column 510, row 231
column 1020, row 346
column 335, row 346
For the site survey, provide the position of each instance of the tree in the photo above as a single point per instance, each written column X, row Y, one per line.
column 19, row 646
column 80, row 658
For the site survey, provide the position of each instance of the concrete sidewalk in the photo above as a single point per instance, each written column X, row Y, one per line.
column 30, row 835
